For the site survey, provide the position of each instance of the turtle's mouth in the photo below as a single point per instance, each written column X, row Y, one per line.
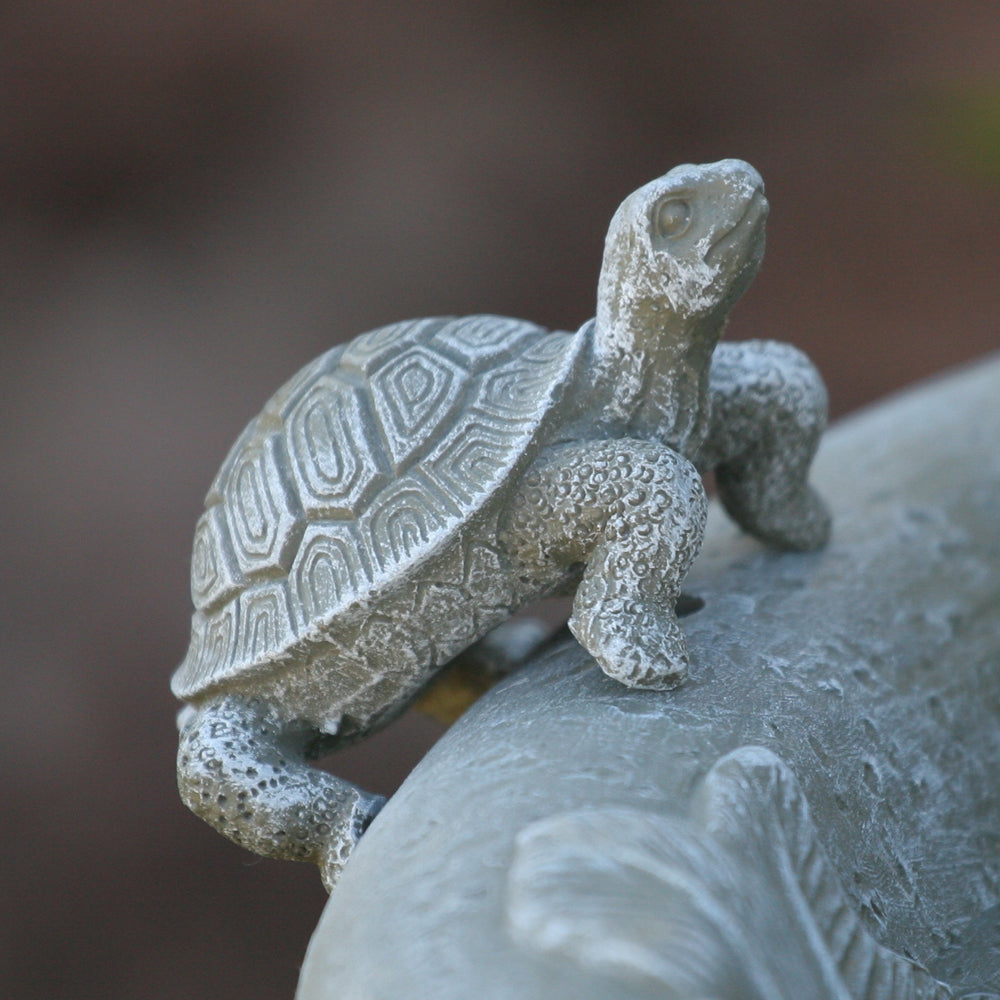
column 747, row 231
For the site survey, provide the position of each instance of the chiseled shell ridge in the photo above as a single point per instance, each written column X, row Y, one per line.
column 739, row 900
column 371, row 461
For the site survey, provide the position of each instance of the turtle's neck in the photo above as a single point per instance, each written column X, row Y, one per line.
column 667, row 283
column 651, row 370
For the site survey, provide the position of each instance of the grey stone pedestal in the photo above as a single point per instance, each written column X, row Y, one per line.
column 815, row 813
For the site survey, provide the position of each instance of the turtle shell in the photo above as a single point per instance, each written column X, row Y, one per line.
column 377, row 465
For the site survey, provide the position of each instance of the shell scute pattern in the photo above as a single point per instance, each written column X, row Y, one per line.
column 281, row 403
column 210, row 653
column 262, row 509
column 414, row 394
column 476, row 452
column 329, row 569
column 508, row 390
column 271, row 417
column 337, row 467
column 265, row 620
column 367, row 353
column 215, row 574
column 370, row 462
column 482, row 341
column 543, row 350
column 249, row 434
column 409, row 520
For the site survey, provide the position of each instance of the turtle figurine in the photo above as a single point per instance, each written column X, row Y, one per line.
column 405, row 493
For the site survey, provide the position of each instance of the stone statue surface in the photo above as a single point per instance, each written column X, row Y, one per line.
column 813, row 814
column 405, row 493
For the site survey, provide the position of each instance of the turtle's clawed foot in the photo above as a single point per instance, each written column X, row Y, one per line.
column 806, row 525
column 799, row 522
column 246, row 772
column 346, row 836
column 634, row 644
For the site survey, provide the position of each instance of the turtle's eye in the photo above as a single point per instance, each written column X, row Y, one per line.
column 671, row 217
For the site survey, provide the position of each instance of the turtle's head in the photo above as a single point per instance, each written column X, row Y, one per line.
column 680, row 251
column 686, row 245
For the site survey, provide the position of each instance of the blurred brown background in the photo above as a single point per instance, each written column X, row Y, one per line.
column 196, row 199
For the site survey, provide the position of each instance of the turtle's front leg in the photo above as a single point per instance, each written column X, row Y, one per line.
column 768, row 409
column 630, row 515
column 245, row 774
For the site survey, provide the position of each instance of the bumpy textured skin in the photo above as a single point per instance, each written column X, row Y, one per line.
column 634, row 515
column 768, row 412
column 406, row 493
column 255, row 789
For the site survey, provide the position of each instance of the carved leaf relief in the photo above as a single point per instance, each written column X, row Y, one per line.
column 737, row 901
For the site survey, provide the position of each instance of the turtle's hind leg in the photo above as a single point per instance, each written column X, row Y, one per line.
column 768, row 406
column 633, row 515
column 246, row 774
